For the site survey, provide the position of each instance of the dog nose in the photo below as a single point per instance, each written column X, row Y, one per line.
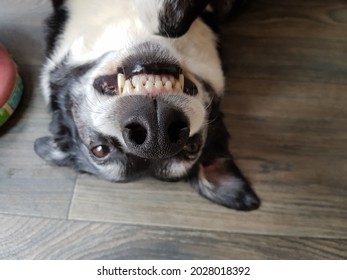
column 152, row 128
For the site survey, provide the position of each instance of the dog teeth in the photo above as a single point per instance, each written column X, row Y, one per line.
column 157, row 78
column 151, row 79
column 158, row 84
column 181, row 81
column 168, row 86
column 140, row 89
column 128, row 87
column 135, row 79
column 143, row 79
column 120, row 82
column 178, row 87
column 164, row 79
column 150, row 84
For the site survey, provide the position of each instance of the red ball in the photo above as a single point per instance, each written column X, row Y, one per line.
column 11, row 86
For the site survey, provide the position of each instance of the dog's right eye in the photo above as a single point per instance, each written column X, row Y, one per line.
column 101, row 151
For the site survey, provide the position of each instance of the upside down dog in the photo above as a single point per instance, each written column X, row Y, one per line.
column 134, row 89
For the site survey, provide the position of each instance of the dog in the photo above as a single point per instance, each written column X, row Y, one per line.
column 134, row 89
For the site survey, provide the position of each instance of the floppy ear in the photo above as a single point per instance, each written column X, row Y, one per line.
column 222, row 182
column 217, row 177
column 48, row 149
column 63, row 152
column 60, row 147
column 64, row 146
column 57, row 148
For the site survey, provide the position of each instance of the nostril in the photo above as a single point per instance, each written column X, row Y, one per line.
column 177, row 130
column 137, row 134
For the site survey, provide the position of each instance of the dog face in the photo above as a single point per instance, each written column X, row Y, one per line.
column 134, row 89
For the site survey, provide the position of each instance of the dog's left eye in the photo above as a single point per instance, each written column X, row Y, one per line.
column 101, row 151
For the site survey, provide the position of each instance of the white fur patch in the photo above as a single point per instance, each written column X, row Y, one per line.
column 129, row 23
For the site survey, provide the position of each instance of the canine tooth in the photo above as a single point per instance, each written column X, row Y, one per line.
column 120, row 82
column 178, row 87
column 181, row 80
column 128, row 87
column 172, row 80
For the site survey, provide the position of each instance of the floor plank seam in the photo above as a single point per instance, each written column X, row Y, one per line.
column 228, row 76
column 72, row 198
column 209, row 230
column 175, row 227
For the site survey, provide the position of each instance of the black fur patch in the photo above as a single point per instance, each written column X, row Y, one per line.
column 176, row 16
column 209, row 18
column 57, row 3
column 55, row 25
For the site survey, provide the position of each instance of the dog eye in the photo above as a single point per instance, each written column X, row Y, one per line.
column 101, row 151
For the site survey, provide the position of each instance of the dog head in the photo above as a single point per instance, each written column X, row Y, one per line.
column 132, row 87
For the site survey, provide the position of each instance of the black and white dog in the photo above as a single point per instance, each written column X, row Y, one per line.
column 134, row 88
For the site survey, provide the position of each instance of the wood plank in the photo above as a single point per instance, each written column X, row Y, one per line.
column 301, row 101
column 295, row 210
column 296, row 41
column 294, row 129
column 39, row 238
column 28, row 185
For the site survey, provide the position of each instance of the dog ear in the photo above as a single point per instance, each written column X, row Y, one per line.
column 221, row 181
column 49, row 150
column 59, row 148
column 62, row 148
column 216, row 176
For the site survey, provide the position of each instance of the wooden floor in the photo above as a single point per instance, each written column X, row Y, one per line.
column 286, row 106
